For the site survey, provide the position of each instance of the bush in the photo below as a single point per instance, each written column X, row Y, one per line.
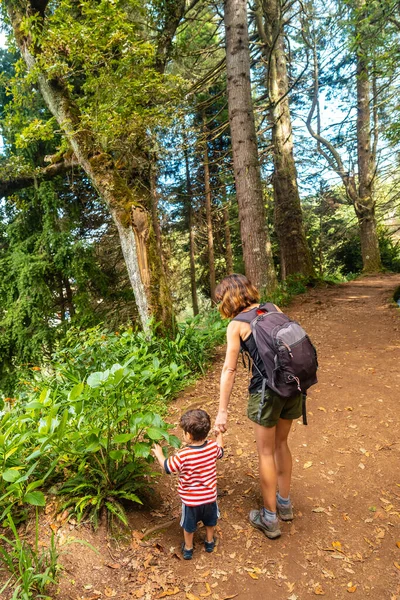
column 84, row 423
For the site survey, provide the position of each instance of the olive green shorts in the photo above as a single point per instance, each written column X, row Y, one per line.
column 273, row 408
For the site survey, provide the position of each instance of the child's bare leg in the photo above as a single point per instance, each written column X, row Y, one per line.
column 188, row 537
column 210, row 533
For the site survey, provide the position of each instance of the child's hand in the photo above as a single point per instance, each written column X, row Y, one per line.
column 157, row 451
column 219, row 438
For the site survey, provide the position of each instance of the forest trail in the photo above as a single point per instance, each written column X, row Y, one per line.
column 345, row 537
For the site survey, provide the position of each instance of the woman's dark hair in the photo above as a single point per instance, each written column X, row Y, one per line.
column 235, row 293
column 196, row 422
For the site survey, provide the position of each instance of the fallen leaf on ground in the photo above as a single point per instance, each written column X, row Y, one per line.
column 397, row 565
column 169, row 592
column 352, row 589
column 337, row 546
column 114, row 565
column 239, row 451
column 208, row 593
column 205, row 574
column 322, row 408
column 190, row 596
column 230, row 597
column 398, row 544
column 319, row 591
column 253, row 575
column 308, row 464
column 293, row 597
column 318, row 509
column 110, row 593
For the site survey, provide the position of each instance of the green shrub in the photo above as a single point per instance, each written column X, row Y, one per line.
column 83, row 424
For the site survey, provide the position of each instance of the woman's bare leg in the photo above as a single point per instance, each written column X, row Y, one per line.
column 265, row 440
column 283, row 457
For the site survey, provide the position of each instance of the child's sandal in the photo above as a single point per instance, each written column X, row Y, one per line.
column 187, row 554
column 209, row 546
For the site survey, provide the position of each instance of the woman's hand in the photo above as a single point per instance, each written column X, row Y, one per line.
column 221, row 421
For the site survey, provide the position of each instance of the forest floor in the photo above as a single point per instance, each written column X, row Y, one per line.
column 345, row 537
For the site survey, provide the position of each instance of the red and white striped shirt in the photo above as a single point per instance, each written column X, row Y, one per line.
column 197, row 470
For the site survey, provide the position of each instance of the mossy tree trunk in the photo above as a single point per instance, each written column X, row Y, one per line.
column 364, row 204
column 359, row 188
column 295, row 255
column 130, row 206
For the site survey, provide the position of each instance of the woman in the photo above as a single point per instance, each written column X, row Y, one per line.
column 272, row 417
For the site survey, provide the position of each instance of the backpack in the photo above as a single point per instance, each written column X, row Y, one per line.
column 286, row 351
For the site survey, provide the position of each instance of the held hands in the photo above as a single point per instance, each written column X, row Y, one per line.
column 221, row 422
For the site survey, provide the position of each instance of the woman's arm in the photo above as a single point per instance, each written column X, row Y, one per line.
column 228, row 374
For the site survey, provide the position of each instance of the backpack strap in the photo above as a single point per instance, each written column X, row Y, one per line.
column 269, row 307
column 246, row 316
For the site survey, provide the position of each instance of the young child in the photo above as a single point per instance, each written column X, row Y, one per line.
column 196, row 465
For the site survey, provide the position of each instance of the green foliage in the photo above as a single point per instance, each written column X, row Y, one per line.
column 32, row 569
column 286, row 290
column 83, row 423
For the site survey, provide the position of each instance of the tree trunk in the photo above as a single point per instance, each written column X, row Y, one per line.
column 365, row 204
column 210, row 236
column 295, row 255
column 360, row 195
column 228, row 243
column 130, row 209
column 252, row 215
column 161, row 295
column 189, row 191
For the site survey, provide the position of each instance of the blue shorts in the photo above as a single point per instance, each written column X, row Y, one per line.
column 191, row 515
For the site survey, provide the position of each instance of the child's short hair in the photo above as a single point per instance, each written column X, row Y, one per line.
column 196, row 422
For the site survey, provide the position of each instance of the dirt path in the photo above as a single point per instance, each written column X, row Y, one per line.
column 346, row 483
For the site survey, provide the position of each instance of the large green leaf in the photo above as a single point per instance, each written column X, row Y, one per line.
column 122, row 438
column 155, row 433
column 35, row 498
column 11, row 475
column 76, row 392
column 98, row 378
column 142, row 450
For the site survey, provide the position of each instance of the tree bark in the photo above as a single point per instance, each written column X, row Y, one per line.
column 210, row 236
column 10, row 186
column 360, row 193
column 189, row 203
column 130, row 209
column 295, row 255
column 252, row 215
column 228, row 243
column 365, row 203
column 162, row 295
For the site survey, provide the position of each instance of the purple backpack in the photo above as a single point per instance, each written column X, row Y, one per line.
column 286, row 351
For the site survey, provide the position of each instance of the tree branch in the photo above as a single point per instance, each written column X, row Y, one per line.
column 10, row 186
